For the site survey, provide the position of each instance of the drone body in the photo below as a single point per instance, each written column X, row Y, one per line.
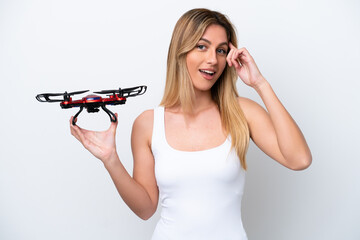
column 92, row 102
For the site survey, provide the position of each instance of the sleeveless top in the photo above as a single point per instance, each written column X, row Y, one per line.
column 200, row 191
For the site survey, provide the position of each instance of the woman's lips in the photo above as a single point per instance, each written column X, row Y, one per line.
column 207, row 74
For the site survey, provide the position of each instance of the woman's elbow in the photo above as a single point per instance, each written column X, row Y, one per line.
column 301, row 163
column 146, row 215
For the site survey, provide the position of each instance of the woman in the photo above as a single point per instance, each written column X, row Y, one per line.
column 192, row 148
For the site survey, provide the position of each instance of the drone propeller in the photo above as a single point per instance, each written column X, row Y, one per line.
column 45, row 97
column 109, row 91
column 77, row 92
column 134, row 91
column 126, row 92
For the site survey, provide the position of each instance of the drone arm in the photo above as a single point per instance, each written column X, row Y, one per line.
column 77, row 114
column 111, row 114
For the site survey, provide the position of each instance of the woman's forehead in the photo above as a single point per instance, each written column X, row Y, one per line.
column 215, row 34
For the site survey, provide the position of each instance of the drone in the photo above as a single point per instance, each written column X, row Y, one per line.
column 93, row 102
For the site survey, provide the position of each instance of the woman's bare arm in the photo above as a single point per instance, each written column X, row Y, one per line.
column 137, row 192
column 274, row 131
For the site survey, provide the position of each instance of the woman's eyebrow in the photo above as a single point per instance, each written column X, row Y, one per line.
column 205, row 40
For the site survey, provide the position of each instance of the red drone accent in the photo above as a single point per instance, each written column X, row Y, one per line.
column 92, row 103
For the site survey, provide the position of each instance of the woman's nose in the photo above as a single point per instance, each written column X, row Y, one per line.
column 211, row 57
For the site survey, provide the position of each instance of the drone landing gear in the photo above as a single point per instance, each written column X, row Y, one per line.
column 111, row 114
column 77, row 114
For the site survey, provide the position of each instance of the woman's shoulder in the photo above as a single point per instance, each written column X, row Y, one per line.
column 143, row 125
column 145, row 119
column 247, row 104
column 249, row 107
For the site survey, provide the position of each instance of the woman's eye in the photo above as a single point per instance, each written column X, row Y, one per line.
column 201, row 47
column 222, row 51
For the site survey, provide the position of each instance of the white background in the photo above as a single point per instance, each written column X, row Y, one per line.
column 52, row 188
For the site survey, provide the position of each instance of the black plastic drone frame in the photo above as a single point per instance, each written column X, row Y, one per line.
column 92, row 103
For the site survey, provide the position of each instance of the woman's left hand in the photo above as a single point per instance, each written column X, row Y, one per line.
column 245, row 66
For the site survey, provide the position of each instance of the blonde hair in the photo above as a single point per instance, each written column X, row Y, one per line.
column 179, row 89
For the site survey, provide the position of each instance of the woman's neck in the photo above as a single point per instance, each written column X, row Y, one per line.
column 202, row 101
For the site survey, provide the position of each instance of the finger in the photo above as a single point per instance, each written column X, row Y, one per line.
column 113, row 125
column 74, row 132
column 71, row 126
column 78, row 132
column 244, row 55
column 244, row 50
column 231, row 46
column 235, row 59
column 71, row 121
column 76, row 129
column 229, row 56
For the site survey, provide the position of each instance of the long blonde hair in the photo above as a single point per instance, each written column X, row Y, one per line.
column 179, row 89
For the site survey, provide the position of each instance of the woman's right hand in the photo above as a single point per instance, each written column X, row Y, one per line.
column 100, row 144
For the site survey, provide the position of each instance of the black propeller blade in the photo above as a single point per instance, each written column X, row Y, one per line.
column 126, row 92
column 45, row 97
column 134, row 91
column 109, row 91
column 77, row 92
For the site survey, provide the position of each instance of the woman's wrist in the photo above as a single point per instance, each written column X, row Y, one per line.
column 262, row 83
column 111, row 160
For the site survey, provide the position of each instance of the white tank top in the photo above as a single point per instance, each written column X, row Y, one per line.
column 200, row 191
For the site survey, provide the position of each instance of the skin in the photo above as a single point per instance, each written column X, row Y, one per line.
column 273, row 131
column 203, row 126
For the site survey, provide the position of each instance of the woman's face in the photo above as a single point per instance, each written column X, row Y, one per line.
column 207, row 60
